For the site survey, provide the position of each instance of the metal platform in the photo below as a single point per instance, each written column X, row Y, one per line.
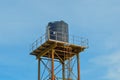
column 62, row 49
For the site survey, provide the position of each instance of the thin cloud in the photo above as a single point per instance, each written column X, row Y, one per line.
column 111, row 62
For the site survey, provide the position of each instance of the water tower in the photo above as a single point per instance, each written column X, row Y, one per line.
column 57, row 53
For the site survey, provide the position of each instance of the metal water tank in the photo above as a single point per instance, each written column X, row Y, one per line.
column 58, row 30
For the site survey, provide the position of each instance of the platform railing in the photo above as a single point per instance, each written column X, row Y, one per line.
column 38, row 42
column 75, row 40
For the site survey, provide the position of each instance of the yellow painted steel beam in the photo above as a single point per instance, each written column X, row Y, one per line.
column 46, row 50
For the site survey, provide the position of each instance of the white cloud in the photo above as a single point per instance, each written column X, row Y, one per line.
column 113, row 73
column 111, row 62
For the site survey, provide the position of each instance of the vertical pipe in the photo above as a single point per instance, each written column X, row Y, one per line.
column 52, row 64
column 78, row 65
column 63, row 70
column 39, row 69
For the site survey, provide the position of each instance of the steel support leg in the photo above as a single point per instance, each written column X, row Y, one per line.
column 52, row 64
column 78, row 66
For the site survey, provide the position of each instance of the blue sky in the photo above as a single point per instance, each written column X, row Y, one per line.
column 23, row 21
